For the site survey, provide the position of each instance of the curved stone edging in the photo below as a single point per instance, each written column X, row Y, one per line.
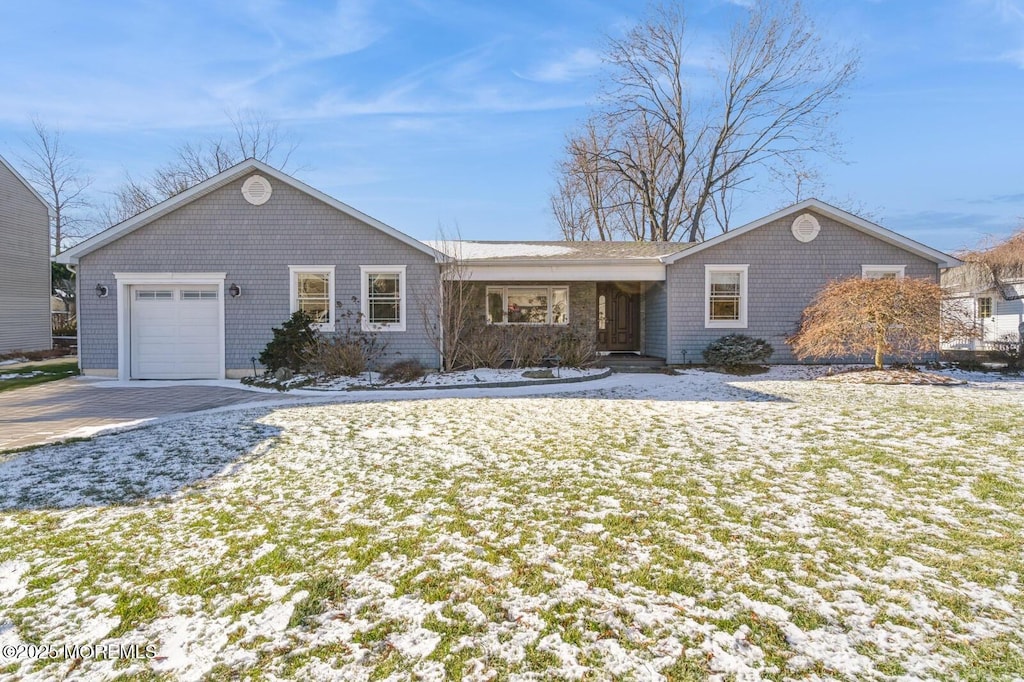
column 486, row 384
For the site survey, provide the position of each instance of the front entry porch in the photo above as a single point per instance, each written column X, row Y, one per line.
column 618, row 317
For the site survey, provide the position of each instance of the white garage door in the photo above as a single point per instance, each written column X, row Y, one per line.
column 175, row 332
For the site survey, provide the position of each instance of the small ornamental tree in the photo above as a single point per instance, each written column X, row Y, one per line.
column 906, row 317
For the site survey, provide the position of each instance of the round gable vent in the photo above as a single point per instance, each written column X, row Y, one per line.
column 806, row 227
column 256, row 190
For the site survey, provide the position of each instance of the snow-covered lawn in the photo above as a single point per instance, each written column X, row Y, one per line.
column 639, row 527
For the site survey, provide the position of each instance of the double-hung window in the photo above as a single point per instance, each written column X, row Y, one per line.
column 725, row 296
column 383, row 298
column 528, row 305
column 312, row 292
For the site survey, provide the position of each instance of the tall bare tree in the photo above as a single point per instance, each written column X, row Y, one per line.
column 253, row 136
column 52, row 167
column 681, row 150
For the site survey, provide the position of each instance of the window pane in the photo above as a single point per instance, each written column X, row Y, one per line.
column 198, row 295
column 313, row 284
column 384, row 285
column 154, row 295
column 527, row 306
column 313, row 293
column 384, row 313
column 384, row 298
column 725, row 310
column 725, row 296
column 602, row 312
column 495, row 307
column 318, row 310
column 559, row 305
column 985, row 307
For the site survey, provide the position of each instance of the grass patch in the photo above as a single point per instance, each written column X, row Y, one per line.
column 30, row 375
column 323, row 590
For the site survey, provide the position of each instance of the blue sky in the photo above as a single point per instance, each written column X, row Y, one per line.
column 439, row 112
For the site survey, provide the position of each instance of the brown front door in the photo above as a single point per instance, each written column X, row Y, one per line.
column 618, row 318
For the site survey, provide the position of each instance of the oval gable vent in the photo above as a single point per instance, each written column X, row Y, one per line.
column 256, row 190
column 806, row 227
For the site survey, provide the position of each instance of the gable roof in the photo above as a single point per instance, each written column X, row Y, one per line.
column 27, row 184
column 943, row 260
column 216, row 182
column 506, row 252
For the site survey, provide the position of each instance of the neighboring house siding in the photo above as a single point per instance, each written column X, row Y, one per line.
column 655, row 320
column 24, row 267
column 1009, row 315
column 783, row 277
column 221, row 232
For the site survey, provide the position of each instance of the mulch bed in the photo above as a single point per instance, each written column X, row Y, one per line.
column 891, row 376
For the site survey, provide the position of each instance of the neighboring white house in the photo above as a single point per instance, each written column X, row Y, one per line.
column 24, row 264
column 998, row 311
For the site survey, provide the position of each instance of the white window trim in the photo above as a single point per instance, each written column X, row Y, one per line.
column 898, row 270
column 364, row 297
column 504, row 305
column 125, row 280
column 293, row 293
column 725, row 324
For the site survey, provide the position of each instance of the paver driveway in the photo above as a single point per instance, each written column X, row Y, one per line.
column 61, row 409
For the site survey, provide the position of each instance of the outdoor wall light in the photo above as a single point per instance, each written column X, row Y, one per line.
column 235, row 290
column 101, row 291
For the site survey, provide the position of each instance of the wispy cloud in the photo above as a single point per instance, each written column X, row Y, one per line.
column 579, row 63
column 1007, row 19
column 1000, row 199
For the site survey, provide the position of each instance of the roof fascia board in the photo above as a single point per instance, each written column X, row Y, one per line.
column 564, row 272
column 625, row 261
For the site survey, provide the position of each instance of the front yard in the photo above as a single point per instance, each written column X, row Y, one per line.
column 643, row 527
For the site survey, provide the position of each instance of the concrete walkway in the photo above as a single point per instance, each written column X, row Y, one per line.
column 63, row 409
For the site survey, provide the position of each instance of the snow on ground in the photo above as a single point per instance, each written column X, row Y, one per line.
column 639, row 526
column 475, row 377
column 22, row 375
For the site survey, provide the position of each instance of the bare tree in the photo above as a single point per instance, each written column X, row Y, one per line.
column 253, row 136
column 682, row 150
column 53, row 169
column 907, row 317
column 994, row 266
column 583, row 185
column 448, row 311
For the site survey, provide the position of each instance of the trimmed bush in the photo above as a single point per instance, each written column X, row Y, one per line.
column 290, row 343
column 484, row 346
column 737, row 349
column 529, row 346
column 336, row 356
column 576, row 348
column 403, row 371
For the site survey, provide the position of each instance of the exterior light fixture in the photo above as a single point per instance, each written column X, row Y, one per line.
column 101, row 290
column 235, row 290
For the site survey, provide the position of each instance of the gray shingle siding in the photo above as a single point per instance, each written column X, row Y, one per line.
column 24, row 267
column 254, row 245
column 655, row 319
column 783, row 277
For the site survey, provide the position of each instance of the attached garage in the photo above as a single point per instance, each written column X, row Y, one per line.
column 174, row 332
column 171, row 325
